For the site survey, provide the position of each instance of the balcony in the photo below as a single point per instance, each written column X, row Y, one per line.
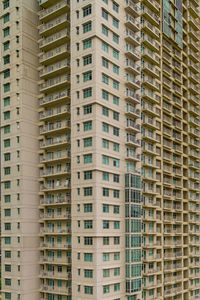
column 56, row 290
column 54, row 113
column 152, row 30
column 132, row 8
column 194, row 45
column 132, row 52
column 55, row 26
column 193, row 88
column 46, row 188
column 193, row 55
column 151, row 56
column 53, row 11
column 56, row 69
column 193, row 10
column 53, row 173
column 132, row 37
column 57, row 275
column 132, row 141
column 193, row 77
column 193, row 34
column 153, row 5
column 151, row 16
column 132, row 23
column 54, row 55
column 55, row 97
column 132, row 111
column 132, row 126
column 55, row 40
column 150, row 43
column 150, row 83
column 54, row 216
column 55, row 231
column 132, row 96
column 150, row 69
column 54, row 142
column 132, row 82
column 132, row 67
column 55, row 84
column 194, row 23
column 57, row 201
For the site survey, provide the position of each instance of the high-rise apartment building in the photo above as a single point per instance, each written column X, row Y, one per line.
column 100, row 159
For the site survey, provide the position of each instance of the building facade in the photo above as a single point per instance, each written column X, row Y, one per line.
column 100, row 149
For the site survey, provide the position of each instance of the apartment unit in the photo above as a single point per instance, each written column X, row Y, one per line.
column 100, row 149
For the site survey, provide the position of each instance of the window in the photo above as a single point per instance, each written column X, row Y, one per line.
column 105, row 78
column 116, row 271
column 6, row 87
column 105, row 62
column 88, row 207
column 6, row 4
column 116, row 69
column 87, row 76
column 115, row 23
column 88, row 257
column 106, row 273
column 88, row 290
column 105, row 192
column 106, row 289
column 7, row 198
column 6, row 101
column 88, row 224
column 115, row 84
column 7, row 171
column 87, row 27
column 7, row 129
column 115, row 178
column 105, row 160
column 116, row 287
column 88, row 191
column 115, row 53
column 6, row 73
column 6, row 45
column 88, row 241
column 87, row 10
column 105, row 95
column 115, row 7
column 106, row 208
column 106, row 240
column 87, row 125
column 87, row 109
column 87, row 142
column 105, row 176
column 104, row 30
column 116, row 147
column 88, row 273
column 87, row 175
column 7, row 156
column 6, row 31
column 105, row 127
column 6, row 143
column 115, row 162
column 8, row 281
column 87, row 44
column 105, row 47
column 115, row 38
column 6, row 18
column 6, row 115
column 87, row 158
column 106, row 224
column 116, row 209
column 116, row 194
column 104, row 14
column 105, row 111
column 116, row 131
column 7, row 254
column 87, row 93
column 87, row 60
column 117, row 256
column 7, row 226
column 106, row 256
column 105, row 144
column 6, row 59
column 116, row 100
column 7, row 212
column 7, row 240
column 116, row 224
